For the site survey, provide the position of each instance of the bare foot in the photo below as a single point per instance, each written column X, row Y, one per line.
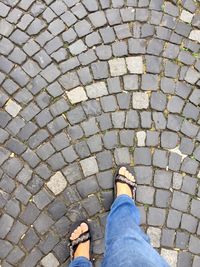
column 83, row 249
column 123, row 188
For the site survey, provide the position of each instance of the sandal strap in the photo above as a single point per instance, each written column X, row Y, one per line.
column 124, row 179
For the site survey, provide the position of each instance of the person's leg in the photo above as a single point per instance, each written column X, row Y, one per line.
column 123, row 220
column 126, row 244
column 124, row 217
column 80, row 262
column 82, row 254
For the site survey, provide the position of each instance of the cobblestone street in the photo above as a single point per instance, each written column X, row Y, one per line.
column 86, row 86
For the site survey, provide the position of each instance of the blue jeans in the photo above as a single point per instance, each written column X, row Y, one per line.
column 126, row 244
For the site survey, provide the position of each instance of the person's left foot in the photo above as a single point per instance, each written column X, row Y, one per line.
column 83, row 249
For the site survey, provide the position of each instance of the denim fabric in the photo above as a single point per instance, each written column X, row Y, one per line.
column 126, row 244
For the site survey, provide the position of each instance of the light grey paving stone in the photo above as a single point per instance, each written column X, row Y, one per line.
column 57, row 183
column 89, row 166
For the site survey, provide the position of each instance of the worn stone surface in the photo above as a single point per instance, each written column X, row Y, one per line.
column 85, row 87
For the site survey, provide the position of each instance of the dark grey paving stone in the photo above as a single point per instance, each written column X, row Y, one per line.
column 6, row 223
column 29, row 214
column 15, row 256
column 12, row 207
column 56, row 161
column 143, row 174
column 32, row 258
column 155, row 47
column 189, row 129
column 91, row 205
column 194, row 208
column 167, row 238
column 130, row 82
column 95, row 143
column 189, row 185
column 136, row 46
column 122, row 31
column 142, row 156
column 42, row 199
column 30, row 239
column 87, row 186
column 107, row 35
column 160, row 158
column 169, row 139
column 17, row 232
column 48, row 243
column 61, row 227
column 22, row 194
column 123, row 100
column 5, row 248
column 104, row 52
column 43, row 171
column 162, row 179
column 158, row 101
column 152, row 138
column 76, row 115
column 174, row 161
column 132, row 119
column 180, row 201
column 184, row 259
column 110, row 139
column 182, row 240
column 145, row 194
column 189, row 223
column 163, row 198
column 104, row 160
column 90, row 127
column 127, row 137
column 186, row 146
column 189, row 165
column 43, row 223
column 156, row 216
column 57, row 209
column 194, row 244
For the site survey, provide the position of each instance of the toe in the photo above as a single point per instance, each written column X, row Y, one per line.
column 122, row 170
column 84, row 227
column 73, row 236
column 126, row 174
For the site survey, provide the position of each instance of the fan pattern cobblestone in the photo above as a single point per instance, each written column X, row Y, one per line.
column 87, row 86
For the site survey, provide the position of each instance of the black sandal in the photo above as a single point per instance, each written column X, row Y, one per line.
column 73, row 244
column 123, row 179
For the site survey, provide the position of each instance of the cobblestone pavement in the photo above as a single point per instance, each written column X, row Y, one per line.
column 86, row 86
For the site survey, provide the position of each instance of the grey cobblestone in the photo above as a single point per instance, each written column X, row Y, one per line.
column 87, row 86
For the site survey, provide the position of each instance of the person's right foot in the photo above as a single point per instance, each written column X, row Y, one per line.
column 83, row 248
column 123, row 188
